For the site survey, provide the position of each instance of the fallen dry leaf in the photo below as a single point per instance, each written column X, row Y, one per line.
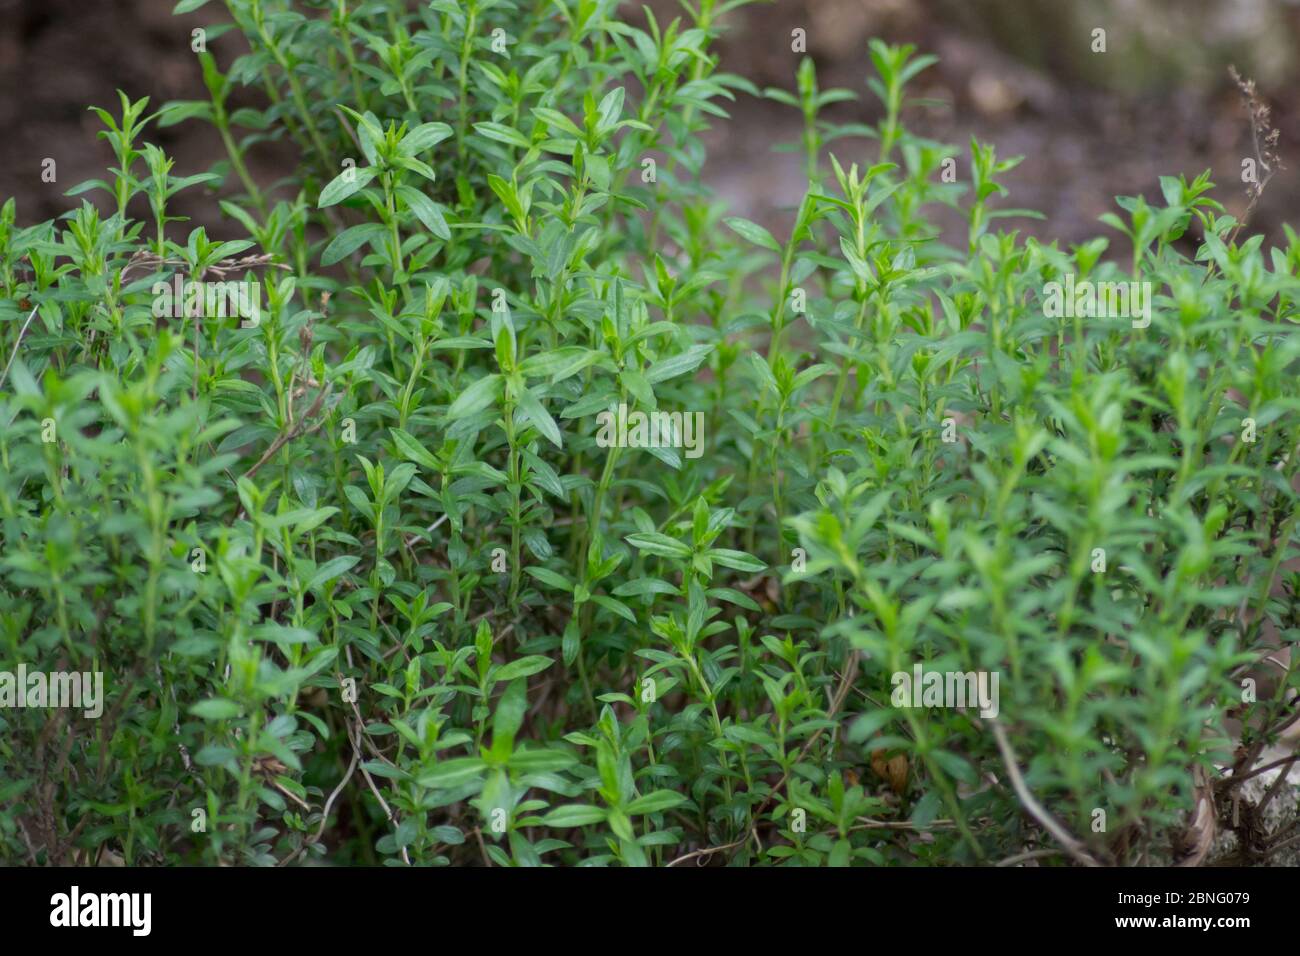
column 893, row 770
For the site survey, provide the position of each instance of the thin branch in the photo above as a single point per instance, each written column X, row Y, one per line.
column 1072, row 846
column 14, row 353
column 388, row 811
column 708, row 851
column 1225, row 782
column 1276, row 788
column 429, row 530
column 482, row 847
column 1028, row 855
column 866, row 823
column 325, row 814
column 289, row 434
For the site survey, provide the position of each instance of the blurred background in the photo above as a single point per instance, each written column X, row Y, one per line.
column 1020, row 74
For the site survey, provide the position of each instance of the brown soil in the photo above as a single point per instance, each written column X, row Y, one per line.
column 1083, row 143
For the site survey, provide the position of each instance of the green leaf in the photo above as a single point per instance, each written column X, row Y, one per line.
column 451, row 773
column 331, row 569
column 656, row 802
column 574, row 815
column 652, row 542
column 426, row 210
column 345, row 184
column 571, row 642
column 503, row 134
column 635, row 383
column 423, row 137
column 617, row 607
column 738, row 560
column 540, row 417
column 610, row 109
column 555, row 118
column 216, row 708
column 481, row 394
column 350, row 240
column 550, row 578
column 926, row 809
column 509, row 714
column 675, row 365
column 754, row 233
column 522, row 667
column 561, row 362
column 410, row 448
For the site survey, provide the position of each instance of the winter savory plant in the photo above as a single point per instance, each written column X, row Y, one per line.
column 481, row 492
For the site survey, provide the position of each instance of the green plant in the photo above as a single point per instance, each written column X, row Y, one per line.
column 366, row 583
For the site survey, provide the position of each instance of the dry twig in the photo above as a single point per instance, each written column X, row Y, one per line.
column 1036, row 810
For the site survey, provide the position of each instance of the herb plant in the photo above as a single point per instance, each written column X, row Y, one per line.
column 366, row 584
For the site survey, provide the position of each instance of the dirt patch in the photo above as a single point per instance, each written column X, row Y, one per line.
column 1083, row 143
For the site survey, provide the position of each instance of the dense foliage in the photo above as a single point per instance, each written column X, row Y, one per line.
column 365, row 586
